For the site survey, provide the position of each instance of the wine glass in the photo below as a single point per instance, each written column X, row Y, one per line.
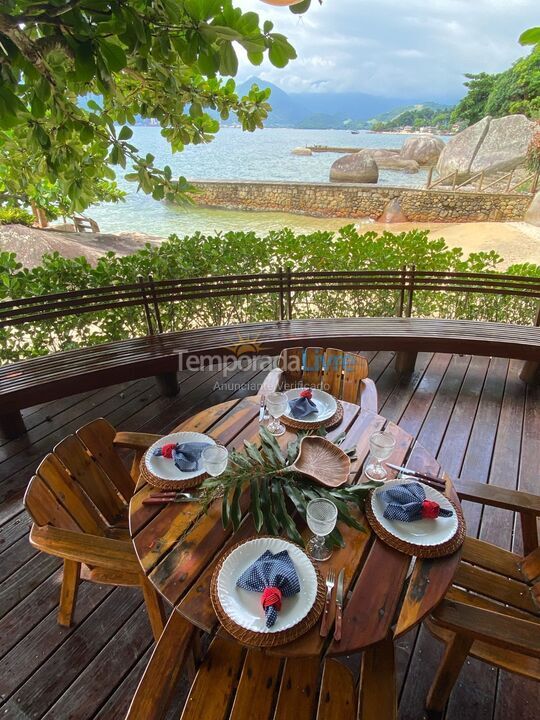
column 381, row 445
column 276, row 404
column 215, row 459
column 321, row 515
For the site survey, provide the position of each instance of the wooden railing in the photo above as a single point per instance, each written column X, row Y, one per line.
column 477, row 181
column 285, row 285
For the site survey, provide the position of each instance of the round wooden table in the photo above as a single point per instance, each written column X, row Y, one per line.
column 178, row 545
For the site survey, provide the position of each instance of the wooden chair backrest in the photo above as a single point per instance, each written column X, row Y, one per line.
column 83, row 484
column 337, row 372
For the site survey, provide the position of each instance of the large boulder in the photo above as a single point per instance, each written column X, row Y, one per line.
column 533, row 213
column 460, row 151
column 423, row 149
column 301, row 151
column 505, row 145
column 393, row 213
column 357, row 168
column 490, row 145
column 391, row 160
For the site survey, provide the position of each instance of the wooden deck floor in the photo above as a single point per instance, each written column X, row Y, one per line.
column 473, row 413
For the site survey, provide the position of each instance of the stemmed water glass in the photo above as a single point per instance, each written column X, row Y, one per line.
column 381, row 445
column 215, row 459
column 321, row 515
column 276, row 404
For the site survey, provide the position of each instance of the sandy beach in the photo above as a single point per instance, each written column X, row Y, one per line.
column 516, row 242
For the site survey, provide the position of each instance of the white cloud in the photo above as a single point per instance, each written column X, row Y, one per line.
column 415, row 50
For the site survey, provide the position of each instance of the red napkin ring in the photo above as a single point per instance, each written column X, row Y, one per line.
column 306, row 394
column 271, row 596
column 430, row 509
column 167, row 450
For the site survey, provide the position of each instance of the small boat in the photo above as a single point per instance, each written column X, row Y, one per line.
column 355, row 132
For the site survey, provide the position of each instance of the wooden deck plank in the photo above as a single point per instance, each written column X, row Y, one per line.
column 41, row 640
column 54, row 677
column 473, row 411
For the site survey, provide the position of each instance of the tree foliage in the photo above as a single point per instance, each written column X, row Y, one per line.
column 471, row 108
column 516, row 90
column 417, row 118
column 238, row 253
column 165, row 60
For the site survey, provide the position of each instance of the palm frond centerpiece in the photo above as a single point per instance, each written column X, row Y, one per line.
column 264, row 478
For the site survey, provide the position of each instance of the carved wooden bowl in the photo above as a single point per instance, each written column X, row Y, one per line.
column 322, row 461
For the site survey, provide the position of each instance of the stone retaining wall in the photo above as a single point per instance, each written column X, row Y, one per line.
column 356, row 201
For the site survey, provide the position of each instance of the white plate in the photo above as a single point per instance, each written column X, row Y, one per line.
column 326, row 405
column 418, row 532
column 164, row 467
column 244, row 606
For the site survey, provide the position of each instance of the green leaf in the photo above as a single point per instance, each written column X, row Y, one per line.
column 296, row 497
column 256, row 504
column 300, row 7
column 225, row 510
column 530, row 36
column 228, row 61
column 253, row 452
column 270, row 519
column 282, row 515
column 125, row 133
column 114, row 55
column 236, row 511
column 335, row 539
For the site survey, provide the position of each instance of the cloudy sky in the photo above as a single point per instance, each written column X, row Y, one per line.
column 414, row 49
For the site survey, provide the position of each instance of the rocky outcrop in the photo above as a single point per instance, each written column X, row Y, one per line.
column 532, row 215
column 301, row 151
column 356, row 168
column 391, row 160
column 490, row 145
column 423, row 149
column 461, row 150
column 505, row 145
column 393, row 213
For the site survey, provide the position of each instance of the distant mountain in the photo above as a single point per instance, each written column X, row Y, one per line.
column 323, row 110
column 286, row 112
column 392, row 114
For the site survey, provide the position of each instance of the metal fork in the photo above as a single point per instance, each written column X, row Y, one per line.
column 330, row 582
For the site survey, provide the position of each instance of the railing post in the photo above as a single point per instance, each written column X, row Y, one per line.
column 155, row 303
column 510, row 181
column 530, row 372
column 534, row 186
column 411, row 291
column 146, row 306
column 288, row 291
column 481, row 181
column 455, row 180
column 429, row 177
column 281, row 296
column 401, row 305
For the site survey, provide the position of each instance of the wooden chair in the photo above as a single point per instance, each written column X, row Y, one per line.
column 232, row 682
column 492, row 610
column 78, row 500
column 342, row 374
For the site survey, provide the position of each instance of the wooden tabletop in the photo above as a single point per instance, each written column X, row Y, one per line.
column 178, row 545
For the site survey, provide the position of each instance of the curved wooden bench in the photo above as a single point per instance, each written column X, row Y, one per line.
column 42, row 379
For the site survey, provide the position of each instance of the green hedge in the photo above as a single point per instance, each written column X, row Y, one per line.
column 10, row 216
column 246, row 252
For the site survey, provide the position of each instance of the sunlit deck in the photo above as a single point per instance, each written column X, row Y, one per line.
column 473, row 413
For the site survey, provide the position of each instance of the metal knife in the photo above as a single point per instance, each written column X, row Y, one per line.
column 262, row 409
column 339, row 605
column 416, row 473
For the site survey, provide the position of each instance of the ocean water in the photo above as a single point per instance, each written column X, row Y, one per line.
column 237, row 155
